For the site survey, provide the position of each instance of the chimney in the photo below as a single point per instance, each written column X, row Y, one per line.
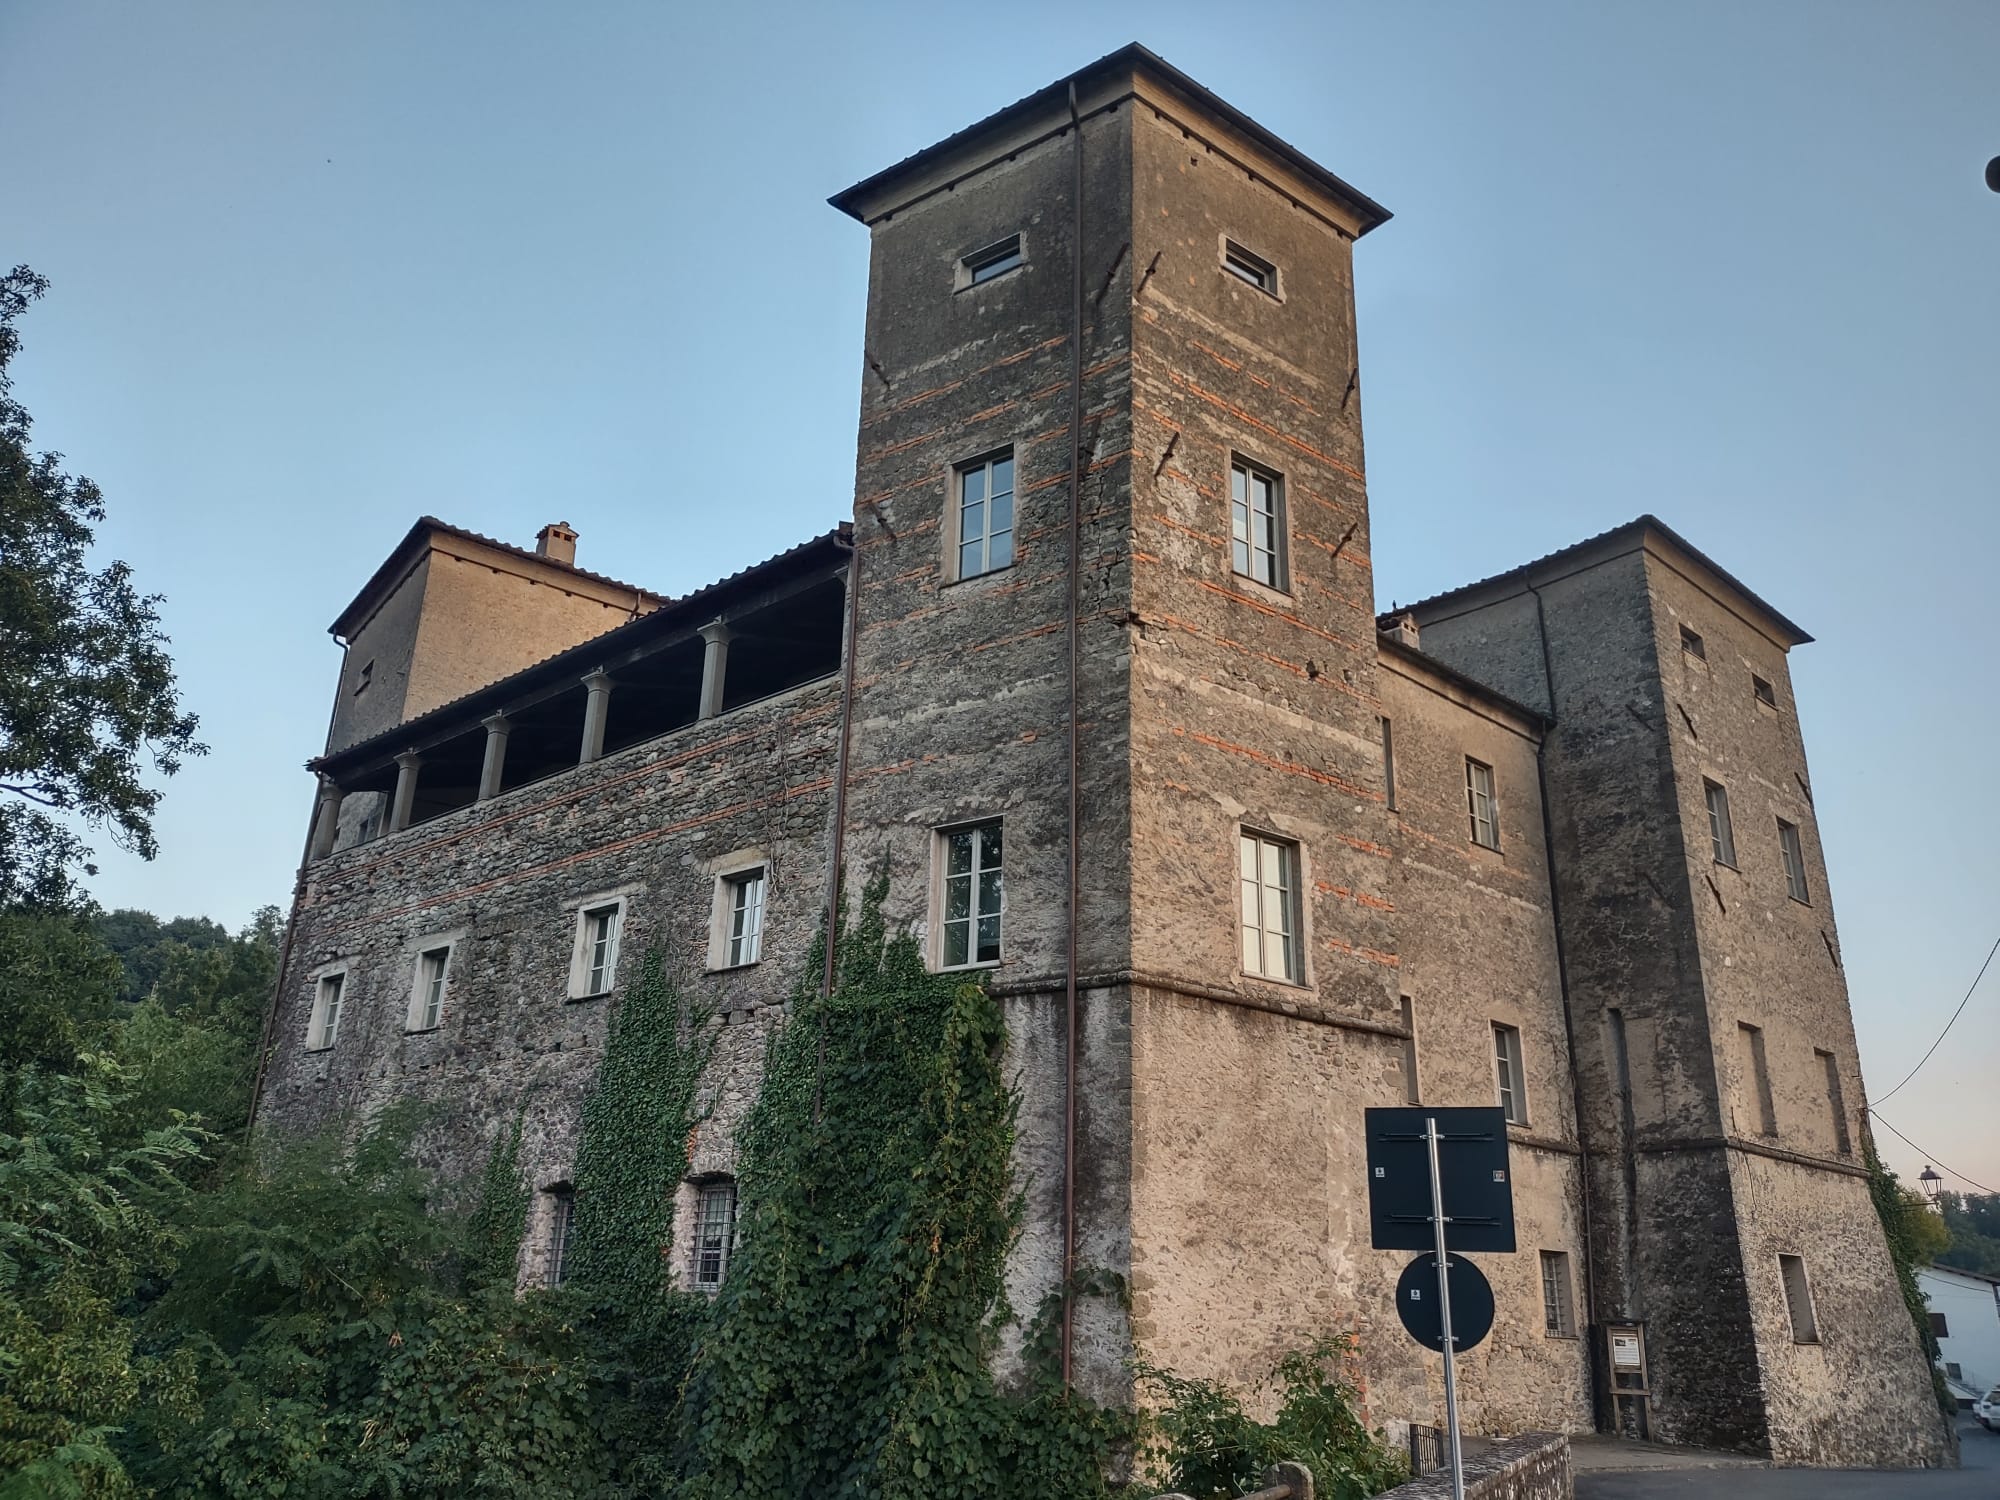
column 1405, row 630
column 557, row 542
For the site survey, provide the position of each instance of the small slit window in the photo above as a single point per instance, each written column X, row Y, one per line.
column 996, row 259
column 1247, row 265
column 1798, row 1299
column 1693, row 644
column 365, row 676
column 1763, row 692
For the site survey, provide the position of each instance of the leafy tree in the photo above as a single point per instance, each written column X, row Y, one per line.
column 87, row 692
column 55, row 978
column 1973, row 1222
column 143, row 944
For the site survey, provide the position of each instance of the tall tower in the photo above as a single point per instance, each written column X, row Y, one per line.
column 1722, row 1102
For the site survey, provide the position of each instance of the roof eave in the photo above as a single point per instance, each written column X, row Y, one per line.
column 1367, row 213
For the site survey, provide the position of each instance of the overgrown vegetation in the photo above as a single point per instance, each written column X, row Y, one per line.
column 1915, row 1236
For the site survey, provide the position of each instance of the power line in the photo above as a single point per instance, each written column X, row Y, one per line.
column 1925, row 1154
column 1947, row 1025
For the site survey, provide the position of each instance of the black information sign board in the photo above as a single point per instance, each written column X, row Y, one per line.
column 1423, row 1314
column 1472, row 1171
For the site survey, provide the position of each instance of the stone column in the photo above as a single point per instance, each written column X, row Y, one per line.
column 714, row 665
column 406, row 790
column 326, row 817
column 598, row 685
column 494, row 765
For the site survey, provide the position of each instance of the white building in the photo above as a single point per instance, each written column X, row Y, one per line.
column 1965, row 1316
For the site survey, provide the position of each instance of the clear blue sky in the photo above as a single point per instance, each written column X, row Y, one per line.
column 319, row 269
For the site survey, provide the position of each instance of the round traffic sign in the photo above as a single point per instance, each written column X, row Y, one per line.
column 1471, row 1302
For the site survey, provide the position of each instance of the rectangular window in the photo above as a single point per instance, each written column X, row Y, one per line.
column 1507, row 1075
column 598, row 933
column 1558, row 1321
column 986, row 515
column 365, row 676
column 1795, row 861
column 1257, row 523
column 1693, row 644
column 1836, row 1102
column 1268, row 874
column 1248, row 266
column 1939, row 1327
column 1388, row 762
column 1480, row 804
column 1754, row 1081
column 714, row 1234
column 1411, row 1087
column 1763, row 693
column 1798, row 1299
column 746, row 917
column 427, row 1000
column 1722, row 842
column 326, row 1012
column 995, row 260
column 975, row 896
column 562, row 1220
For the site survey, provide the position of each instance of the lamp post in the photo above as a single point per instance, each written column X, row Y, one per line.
column 1993, row 174
column 1933, row 1184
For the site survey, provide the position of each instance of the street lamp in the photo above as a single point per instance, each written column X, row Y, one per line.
column 1933, row 1184
column 1993, row 174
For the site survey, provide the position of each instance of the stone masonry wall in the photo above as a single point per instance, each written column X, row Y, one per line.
column 504, row 880
column 962, row 683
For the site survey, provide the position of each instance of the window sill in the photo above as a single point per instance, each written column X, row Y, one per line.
column 1271, row 592
column 422, row 1030
column 1804, row 901
column 952, row 583
column 582, row 999
column 325, row 1047
column 748, row 963
column 1489, row 848
column 1726, row 865
column 973, row 286
column 1235, row 279
column 991, row 963
column 1275, row 983
column 1567, row 1338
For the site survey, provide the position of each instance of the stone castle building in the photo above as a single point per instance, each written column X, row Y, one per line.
column 1095, row 676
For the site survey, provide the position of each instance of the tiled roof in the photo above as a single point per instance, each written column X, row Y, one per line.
column 1632, row 530
column 425, row 526
column 1372, row 214
column 485, row 699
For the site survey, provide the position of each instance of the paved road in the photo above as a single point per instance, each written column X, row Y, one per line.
column 1979, row 1479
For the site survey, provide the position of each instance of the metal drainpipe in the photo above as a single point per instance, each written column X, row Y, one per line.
column 292, row 916
column 1075, row 549
column 1569, row 1020
column 836, row 850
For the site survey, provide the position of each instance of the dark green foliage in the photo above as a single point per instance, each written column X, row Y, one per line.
column 851, row 1351
column 1972, row 1220
column 500, row 1216
column 1907, row 1251
column 54, row 977
column 1205, row 1446
column 82, row 1223
column 87, row 694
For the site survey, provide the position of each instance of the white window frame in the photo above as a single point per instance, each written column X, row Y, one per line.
column 941, row 880
column 984, row 465
column 1244, row 553
column 319, row 1036
column 581, row 965
column 1558, row 1307
column 731, row 872
column 1792, row 851
column 1796, row 1295
column 1510, row 1074
column 990, row 262
column 1258, row 902
column 418, row 1019
column 707, row 1190
column 1482, row 803
column 1241, row 263
column 1721, row 829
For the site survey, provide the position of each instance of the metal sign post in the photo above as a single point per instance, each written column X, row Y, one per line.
column 1444, row 1313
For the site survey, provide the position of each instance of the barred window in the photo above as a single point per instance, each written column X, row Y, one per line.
column 714, row 1233
column 1558, row 1320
